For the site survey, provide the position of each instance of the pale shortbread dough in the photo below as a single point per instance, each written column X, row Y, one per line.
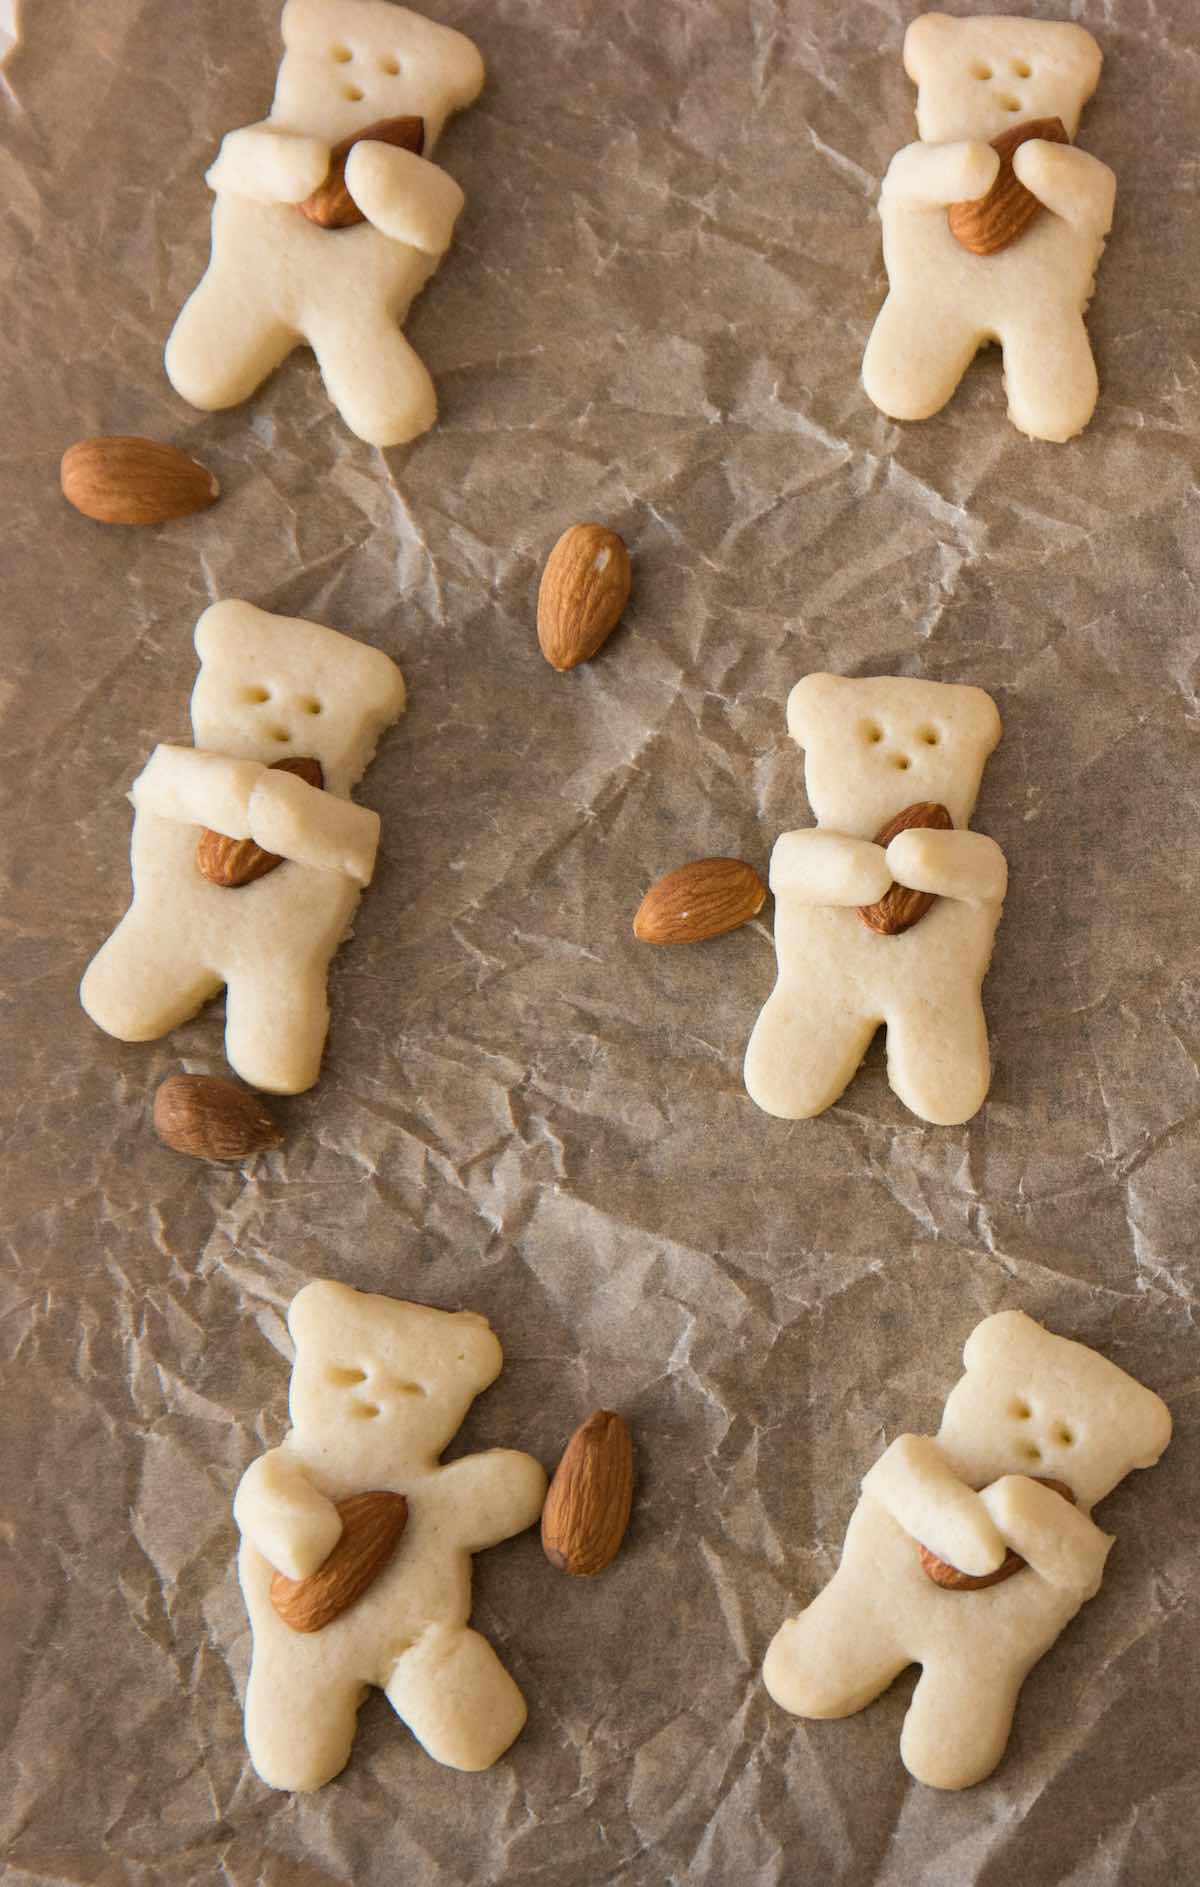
column 269, row 687
column 871, row 748
column 275, row 279
column 379, row 1388
column 1029, row 1404
column 976, row 78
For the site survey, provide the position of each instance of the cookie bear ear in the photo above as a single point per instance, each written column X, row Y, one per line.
column 313, row 1305
column 1008, row 1340
column 226, row 625
column 924, row 39
column 810, row 705
column 978, row 717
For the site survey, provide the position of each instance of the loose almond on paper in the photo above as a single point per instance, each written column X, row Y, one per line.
column 701, row 900
column 987, row 224
column 372, row 1525
column 951, row 1580
column 584, row 589
column 232, row 863
column 122, row 479
column 212, row 1119
column 331, row 206
column 899, row 908
column 587, row 1509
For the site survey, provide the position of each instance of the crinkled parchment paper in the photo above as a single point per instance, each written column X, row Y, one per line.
column 653, row 314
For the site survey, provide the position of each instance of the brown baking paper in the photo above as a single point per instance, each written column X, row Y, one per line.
column 652, row 315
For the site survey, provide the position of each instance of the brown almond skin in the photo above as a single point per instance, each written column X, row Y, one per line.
column 986, row 225
column 119, row 478
column 212, row 1119
column 951, row 1580
column 701, row 900
column 584, row 589
column 372, row 1525
column 587, row 1508
column 331, row 206
column 232, row 863
column 899, row 908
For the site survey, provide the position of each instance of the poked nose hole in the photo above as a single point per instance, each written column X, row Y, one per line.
column 902, row 763
column 1007, row 102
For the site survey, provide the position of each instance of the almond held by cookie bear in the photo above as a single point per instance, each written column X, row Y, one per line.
column 356, row 1542
column 1038, row 1431
column 330, row 217
column 886, row 910
column 993, row 224
column 246, row 871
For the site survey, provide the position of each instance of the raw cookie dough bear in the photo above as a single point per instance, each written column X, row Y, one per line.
column 1030, row 1404
column 872, row 748
column 276, row 279
column 975, row 79
column 378, row 1390
column 269, row 688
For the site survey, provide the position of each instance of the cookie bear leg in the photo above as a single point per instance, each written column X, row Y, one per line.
column 379, row 385
column 958, row 1723
column 938, row 1058
column 916, row 356
column 276, row 1021
column 799, row 1060
column 139, row 984
column 1050, row 376
column 832, row 1660
column 457, row 1698
column 224, row 344
column 299, row 1730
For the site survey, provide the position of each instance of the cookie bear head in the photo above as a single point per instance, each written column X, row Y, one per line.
column 380, row 1386
column 272, row 687
column 875, row 745
column 1032, row 1403
column 978, row 77
column 349, row 63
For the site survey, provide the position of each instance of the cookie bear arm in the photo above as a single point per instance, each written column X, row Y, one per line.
column 932, row 176
column 817, row 867
column 1070, row 183
column 916, row 1485
column 313, row 828
column 292, row 1524
column 404, row 196
column 964, row 865
column 1064, row 1547
column 492, row 1496
column 269, row 165
column 198, row 789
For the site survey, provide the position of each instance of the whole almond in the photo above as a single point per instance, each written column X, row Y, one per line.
column 985, row 225
column 212, row 1119
column 331, row 206
column 899, row 908
column 235, row 862
column 587, row 1507
column 704, row 899
column 371, row 1528
column 121, row 479
column 951, row 1580
column 584, row 589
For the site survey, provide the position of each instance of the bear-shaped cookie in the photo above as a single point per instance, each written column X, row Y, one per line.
column 379, row 1388
column 977, row 78
column 1031, row 1408
column 872, row 748
column 277, row 279
column 270, row 688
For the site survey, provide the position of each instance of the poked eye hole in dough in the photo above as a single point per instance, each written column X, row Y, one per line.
column 871, row 732
column 345, row 1378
